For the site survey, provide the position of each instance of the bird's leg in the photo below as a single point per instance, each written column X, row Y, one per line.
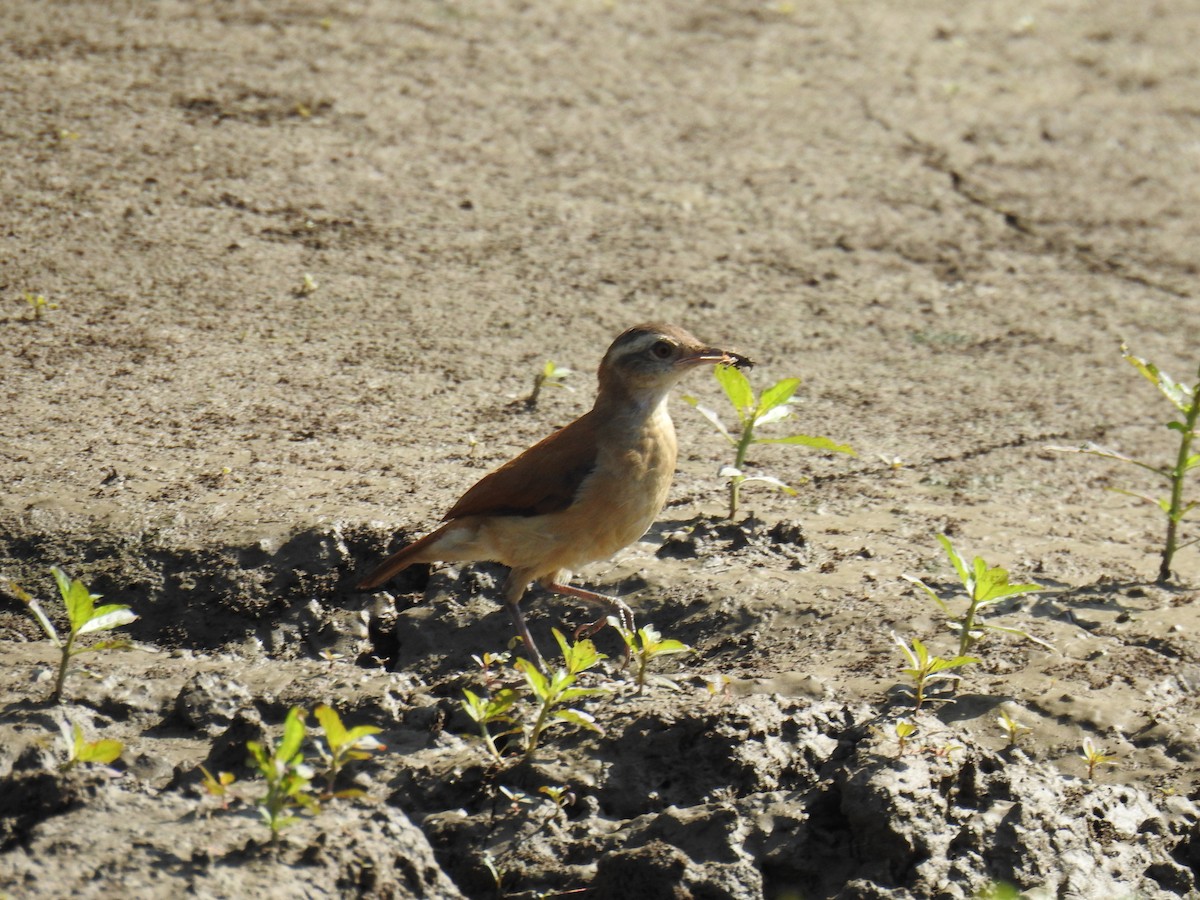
column 613, row 606
column 514, row 589
column 531, row 650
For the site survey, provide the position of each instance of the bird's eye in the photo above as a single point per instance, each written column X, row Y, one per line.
column 663, row 350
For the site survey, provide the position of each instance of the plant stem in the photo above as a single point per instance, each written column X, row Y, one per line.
column 56, row 694
column 536, row 731
column 968, row 625
column 739, row 460
column 1174, row 513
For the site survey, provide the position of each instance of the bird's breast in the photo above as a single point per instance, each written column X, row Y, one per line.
column 622, row 497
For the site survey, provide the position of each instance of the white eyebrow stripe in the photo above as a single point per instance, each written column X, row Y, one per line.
column 640, row 341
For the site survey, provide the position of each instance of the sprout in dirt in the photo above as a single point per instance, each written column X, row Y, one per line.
column 83, row 617
column 925, row 670
column 984, row 587
column 644, row 646
column 773, row 405
column 550, row 375
column 81, row 750
column 1186, row 400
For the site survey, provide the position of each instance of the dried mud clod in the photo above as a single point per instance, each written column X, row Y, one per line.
column 703, row 537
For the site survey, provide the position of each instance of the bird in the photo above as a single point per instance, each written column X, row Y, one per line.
column 580, row 494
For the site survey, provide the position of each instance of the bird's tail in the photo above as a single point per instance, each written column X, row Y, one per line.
column 401, row 560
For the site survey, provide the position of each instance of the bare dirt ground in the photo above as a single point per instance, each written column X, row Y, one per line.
column 944, row 217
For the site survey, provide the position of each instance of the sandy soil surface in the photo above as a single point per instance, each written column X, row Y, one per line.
column 305, row 260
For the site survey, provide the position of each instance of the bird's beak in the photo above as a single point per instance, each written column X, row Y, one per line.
column 715, row 356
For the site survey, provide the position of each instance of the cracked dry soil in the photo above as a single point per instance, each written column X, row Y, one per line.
column 944, row 217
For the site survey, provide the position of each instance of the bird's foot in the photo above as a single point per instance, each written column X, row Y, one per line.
column 614, row 607
column 618, row 610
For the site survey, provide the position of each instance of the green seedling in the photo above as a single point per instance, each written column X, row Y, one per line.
column 80, row 750
column 551, row 375
column 552, row 693
column 218, row 787
column 38, row 304
column 494, row 710
column 1013, row 730
column 83, row 617
column 984, row 587
column 491, row 666
column 925, row 670
column 308, row 286
column 645, row 645
column 342, row 745
column 1186, row 400
column 561, row 796
column 773, row 405
column 288, row 776
column 1095, row 757
column 904, row 730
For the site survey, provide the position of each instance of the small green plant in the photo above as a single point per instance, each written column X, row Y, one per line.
column 342, row 745
column 551, row 375
column 904, row 730
column 551, row 693
column 1013, row 730
column 773, row 405
column 83, row 616
column 81, row 750
column 308, row 286
column 487, row 712
column 1095, row 757
column 645, row 645
column 925, row 670
column 38, row 304
column 1186, row 400
column 219, row 786
column 288, row 775
column 984, row 587
column 542, row 700
column 561, row 796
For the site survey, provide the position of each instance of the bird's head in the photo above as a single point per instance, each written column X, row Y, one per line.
column 646, row 361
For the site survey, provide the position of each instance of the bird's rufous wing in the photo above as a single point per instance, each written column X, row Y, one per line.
column 543, row 479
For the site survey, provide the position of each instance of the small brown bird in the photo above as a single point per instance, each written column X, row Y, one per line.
column 582, row 493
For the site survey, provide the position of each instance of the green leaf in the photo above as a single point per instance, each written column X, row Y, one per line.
column 1179, row 395
column 820, row 443
column 537, row 682
column 47, row 626
column 668, row 647
column 1017, row 632
column 106, row 618
column 109, row 644
column 63, row 581
column 1163, row 504
column 80, row 604
column 331, row 724
column 575, row 693
column 737, row 388
column 293, row 734
column 776, row 395
column 939, row 664
column 930, row 591
column 775, row 414
column 103, row 751
column 768, row 479
column 960, row 564
column 363, row 735
column 578, row 717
